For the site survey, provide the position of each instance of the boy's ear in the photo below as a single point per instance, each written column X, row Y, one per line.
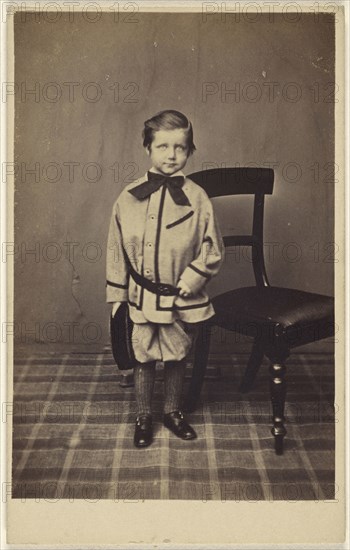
column 148, row 149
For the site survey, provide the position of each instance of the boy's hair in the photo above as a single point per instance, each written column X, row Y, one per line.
column 168, row 120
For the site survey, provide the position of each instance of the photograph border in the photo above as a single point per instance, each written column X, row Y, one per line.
column 192, row 522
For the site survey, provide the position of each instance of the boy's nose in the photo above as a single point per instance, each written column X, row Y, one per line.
column 171, row 153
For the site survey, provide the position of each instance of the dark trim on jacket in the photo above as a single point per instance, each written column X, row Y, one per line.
column 116, row 285
column 206, row 275
column 180, row 220
column 174, row 307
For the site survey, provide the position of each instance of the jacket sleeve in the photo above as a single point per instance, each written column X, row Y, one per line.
column 207, row 264
column 117, row 276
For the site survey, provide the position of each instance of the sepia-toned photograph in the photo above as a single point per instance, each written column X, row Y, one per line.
column 175, row 268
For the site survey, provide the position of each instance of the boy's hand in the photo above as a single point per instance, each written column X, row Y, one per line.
column 185, row 291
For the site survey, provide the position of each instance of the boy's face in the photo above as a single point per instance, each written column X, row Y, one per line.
column 169, row 151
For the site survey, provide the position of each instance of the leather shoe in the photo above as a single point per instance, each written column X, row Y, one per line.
column 178, row 425
column 143, row 431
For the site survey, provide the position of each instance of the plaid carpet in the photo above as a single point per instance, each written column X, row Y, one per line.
column 74, row 426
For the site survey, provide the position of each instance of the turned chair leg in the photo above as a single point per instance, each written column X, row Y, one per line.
column 254, row 363
column 278, row 390
column 200, row 360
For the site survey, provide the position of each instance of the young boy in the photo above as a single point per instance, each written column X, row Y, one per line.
column 166, row 225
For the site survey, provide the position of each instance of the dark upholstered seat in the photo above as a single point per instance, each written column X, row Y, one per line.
column 277, row 318
column 297, row 316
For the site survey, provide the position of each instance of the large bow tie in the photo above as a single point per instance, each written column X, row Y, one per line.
column 155, row 181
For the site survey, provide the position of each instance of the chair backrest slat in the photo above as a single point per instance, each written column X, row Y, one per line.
column 220, row 182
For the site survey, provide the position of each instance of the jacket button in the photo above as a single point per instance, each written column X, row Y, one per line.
column 147, row 271
column 149, row 245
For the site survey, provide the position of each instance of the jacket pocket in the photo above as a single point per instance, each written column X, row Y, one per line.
column 180, row 220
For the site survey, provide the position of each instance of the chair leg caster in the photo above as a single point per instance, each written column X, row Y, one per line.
column 279, row 433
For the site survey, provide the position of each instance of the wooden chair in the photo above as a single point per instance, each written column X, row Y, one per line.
column 277, row 318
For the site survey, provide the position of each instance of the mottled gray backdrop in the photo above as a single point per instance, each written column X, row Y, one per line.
column 258, row 93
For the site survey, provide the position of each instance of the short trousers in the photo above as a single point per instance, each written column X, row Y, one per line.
column 162, row 342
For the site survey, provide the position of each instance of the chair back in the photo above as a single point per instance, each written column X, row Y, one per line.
column 220, row 182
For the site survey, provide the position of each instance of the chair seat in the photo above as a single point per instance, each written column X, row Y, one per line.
column 275, row 311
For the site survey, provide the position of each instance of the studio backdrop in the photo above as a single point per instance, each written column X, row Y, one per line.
column 259, row 91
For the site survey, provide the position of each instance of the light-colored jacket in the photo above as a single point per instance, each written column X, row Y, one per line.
column 164, row 242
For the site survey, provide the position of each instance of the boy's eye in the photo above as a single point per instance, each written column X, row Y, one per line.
column 164, row 147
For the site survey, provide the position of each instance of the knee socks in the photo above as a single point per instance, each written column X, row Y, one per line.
column 144, row 378
column 174, row 374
